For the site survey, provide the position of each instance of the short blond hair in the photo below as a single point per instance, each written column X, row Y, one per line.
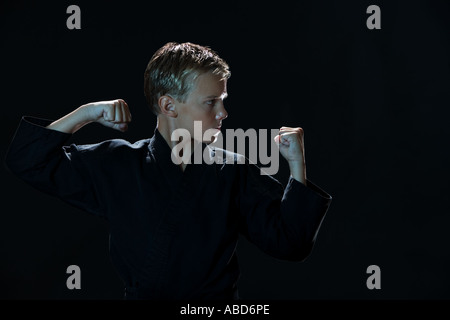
column 174, row 68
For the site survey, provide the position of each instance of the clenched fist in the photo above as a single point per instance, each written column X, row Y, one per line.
column 292, row 148
column 113, row 114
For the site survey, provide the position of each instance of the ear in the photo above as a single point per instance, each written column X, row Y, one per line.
column 167, row 106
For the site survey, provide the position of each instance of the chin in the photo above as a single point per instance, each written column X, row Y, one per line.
column 213, row 139
column 214, row 136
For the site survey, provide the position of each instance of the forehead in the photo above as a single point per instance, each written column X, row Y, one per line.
column 209, row 84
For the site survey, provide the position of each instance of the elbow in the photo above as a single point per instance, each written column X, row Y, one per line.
column 17, row 162
column 11, row 164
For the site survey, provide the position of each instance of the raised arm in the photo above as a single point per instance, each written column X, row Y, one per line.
column 39, row 155
column 113, row 114
column 284, row 223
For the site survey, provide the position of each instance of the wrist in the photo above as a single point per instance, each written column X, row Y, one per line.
column 84, row 114
column 71, row 122
column 298, row 170
column 296, row 165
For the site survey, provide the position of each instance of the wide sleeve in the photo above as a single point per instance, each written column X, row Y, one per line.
column 283, row 223
column 37, row 155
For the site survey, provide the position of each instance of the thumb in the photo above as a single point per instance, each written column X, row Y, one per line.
column 277, row 140
column 121, row 126
column 281, row 142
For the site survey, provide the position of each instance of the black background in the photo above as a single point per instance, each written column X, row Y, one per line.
column 374, row 105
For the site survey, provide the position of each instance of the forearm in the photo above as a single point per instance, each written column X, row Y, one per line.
column 291, row 230
column 298, row 171
column 33, row 145
column 71, row 122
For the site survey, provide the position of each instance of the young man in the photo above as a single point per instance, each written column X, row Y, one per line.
column 174, row 228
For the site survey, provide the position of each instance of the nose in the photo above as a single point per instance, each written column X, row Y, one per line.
column 222, row 113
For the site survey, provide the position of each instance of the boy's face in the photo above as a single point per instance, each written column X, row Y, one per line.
column 204, row 103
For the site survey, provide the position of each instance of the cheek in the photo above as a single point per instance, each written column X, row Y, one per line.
column 206, row 114
column 208, row 121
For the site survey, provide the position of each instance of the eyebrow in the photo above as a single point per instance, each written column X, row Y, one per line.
column 215, row 97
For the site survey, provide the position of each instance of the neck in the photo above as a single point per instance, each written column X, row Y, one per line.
column 166, row 128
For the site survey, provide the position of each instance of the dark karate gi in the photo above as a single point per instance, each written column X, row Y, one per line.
column 173, row 234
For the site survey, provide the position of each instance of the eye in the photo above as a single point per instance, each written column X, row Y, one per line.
column 211, row 102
